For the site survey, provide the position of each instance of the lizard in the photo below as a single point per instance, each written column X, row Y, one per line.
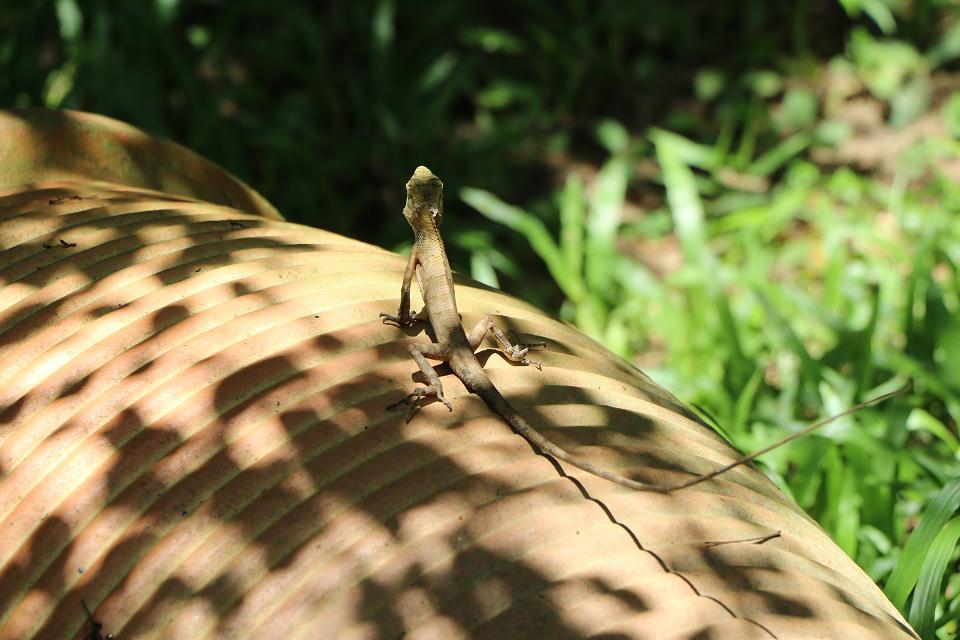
column 428, row 261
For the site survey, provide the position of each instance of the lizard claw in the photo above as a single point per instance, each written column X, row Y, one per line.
column 389, row 317
column 399, row 320
column 412, row 400
column 533, row 363
column 437, row 392
column 516, row 353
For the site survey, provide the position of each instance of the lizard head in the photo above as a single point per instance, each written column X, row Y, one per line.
column 424, row 196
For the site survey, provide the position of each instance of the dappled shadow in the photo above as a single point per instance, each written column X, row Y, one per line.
column 194, row 438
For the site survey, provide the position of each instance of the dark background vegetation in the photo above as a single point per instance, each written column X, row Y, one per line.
column 326, row 107
column 755, row 201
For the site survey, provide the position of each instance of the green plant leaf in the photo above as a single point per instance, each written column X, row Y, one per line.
column 603, row 221
column 923, row 607
column 905, row 574
column 682, row 195
column 809, row 367
column 779, row 155
column 524, row 223
column 572, row 215
column 921, row 420
column 613, row 136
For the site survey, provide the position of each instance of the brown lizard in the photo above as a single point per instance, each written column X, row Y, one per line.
column 428, row 260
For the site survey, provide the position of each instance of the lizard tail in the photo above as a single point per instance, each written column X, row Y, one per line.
column 501, row 407
column 477, row 381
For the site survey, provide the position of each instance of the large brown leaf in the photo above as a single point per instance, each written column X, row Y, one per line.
column 194, row 442
column 39, row 146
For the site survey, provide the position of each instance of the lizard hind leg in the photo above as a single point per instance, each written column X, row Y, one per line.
column 514, row 352
column 420, row 353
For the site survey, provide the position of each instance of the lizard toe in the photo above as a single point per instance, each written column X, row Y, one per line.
column 516, row 353
column 438, row 392
column 387, row 318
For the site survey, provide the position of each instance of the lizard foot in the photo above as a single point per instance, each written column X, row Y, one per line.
column 399, row 320
column 412, row 400
column 389, row 317
column 516, row 353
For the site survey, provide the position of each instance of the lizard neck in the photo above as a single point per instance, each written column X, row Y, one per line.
column 429, row 243
column 436, row 280
column 425, row 229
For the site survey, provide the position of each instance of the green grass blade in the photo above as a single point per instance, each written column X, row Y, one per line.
column 832, row 469
column 682, row 196
column 687, row 151
column 525, row 224
column 779, row 155
column 572, row 215
column 481, row 269
column 810, row 368
column 745, row 401
column 863, row 365
column 925, row 380
column 905, row 574
column 740, row 366
column 809, row 476
column 923, row 607
column 606, row 214
column 848, row 512
column 604, row 220
column 921, row 420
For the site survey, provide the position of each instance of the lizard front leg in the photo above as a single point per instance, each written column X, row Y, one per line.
column 420, row 353
column 404, row 316
column 514, row 352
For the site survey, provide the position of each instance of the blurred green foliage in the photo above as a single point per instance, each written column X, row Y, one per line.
column 802, row 287
column 755, row 201
column 326, row 106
